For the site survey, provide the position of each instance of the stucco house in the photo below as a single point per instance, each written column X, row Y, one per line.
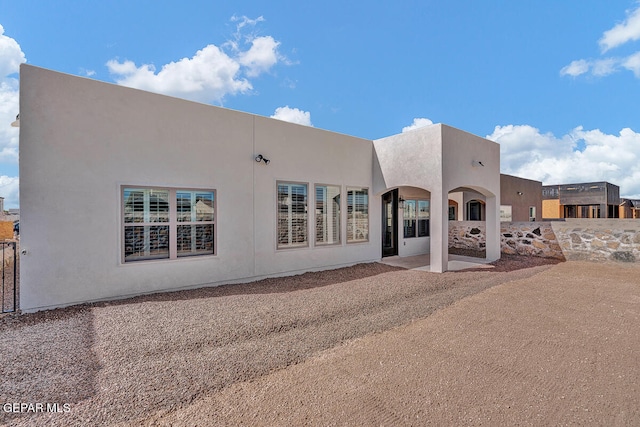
column 125, row 192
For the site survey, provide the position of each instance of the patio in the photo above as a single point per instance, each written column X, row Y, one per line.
column 423, row 262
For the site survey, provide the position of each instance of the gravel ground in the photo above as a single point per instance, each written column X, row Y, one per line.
column 557, row 348
column 133, row 360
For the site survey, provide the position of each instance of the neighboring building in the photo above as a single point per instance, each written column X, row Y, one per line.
column 10, row 215
column 630, row 208
column 170, row 194
column 585, row 200
column 520, row 200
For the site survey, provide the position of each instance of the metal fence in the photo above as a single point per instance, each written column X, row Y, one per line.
column 9, row 297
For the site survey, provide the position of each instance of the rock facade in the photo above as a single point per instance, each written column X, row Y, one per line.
column 529, row 238
column 599, row 239
column 467, row 235
column 523, row 238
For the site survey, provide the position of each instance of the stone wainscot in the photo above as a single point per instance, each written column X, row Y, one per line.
column 572, row 239
column 522, row 238
column 599, row 239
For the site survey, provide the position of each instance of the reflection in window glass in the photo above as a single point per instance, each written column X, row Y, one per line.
column 194, row 207
column 409, row 214
column 327, row 214
column 149, row 220
column 292, row 215
column 357, row 215
column 423, row 218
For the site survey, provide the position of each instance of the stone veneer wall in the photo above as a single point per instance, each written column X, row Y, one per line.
column 599, row 239
column 467, row 235
column 523, row 238
column 530, row 238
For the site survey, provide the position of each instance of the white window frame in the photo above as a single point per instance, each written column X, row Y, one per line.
column 290, row 244
column 324, row 226
column 352, row 221
column 413, row 214
column 172, row 223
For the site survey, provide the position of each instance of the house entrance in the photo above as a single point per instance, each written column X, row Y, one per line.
column 390, row 223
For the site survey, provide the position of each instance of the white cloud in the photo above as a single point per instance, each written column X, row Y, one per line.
column 262, row 55
column 579, row 156
column 210, row 74
column 604, row 67
column 628, row 30
column 9, row 108
column 417, row 123
column 243, row 21
column 11, row 56
column 207, row 76
column 9, row 189
column 632, row 63
column 293, row 115
column 576, row 68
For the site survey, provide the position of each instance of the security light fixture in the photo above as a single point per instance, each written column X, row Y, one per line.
column 16, row 124
column 477, row 163
column 520, row 193
column 261, row 158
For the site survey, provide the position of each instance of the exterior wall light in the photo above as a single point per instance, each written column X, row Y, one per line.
column 520, row 193
column 477, row 163
column 16, row 124
column 261, row 158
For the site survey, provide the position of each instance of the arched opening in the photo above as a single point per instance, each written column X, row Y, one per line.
column 475, row 232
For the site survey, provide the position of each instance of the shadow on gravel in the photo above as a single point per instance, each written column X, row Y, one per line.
column 508, row 263
column 272, row 285
column 35, row 362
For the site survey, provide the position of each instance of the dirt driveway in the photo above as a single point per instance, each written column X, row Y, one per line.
column 540, row 346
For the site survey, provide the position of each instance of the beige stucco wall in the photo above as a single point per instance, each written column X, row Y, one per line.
column 441, row 159
column 461, row 157
column 82, row 140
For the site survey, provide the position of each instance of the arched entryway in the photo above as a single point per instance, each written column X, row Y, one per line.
column 476, row 228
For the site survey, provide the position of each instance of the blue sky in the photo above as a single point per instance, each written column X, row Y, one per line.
column 556, row 83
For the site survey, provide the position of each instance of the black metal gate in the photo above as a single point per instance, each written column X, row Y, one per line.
column 9, row 277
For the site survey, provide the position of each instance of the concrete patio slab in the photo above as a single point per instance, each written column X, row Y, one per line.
column 423, row 262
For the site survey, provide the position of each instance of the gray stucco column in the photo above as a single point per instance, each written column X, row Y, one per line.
column 492, row 225
column 439, row 220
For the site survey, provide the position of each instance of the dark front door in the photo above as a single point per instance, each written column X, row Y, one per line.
column 390, row 223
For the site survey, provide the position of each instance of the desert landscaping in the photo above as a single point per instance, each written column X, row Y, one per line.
column 527, row 342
